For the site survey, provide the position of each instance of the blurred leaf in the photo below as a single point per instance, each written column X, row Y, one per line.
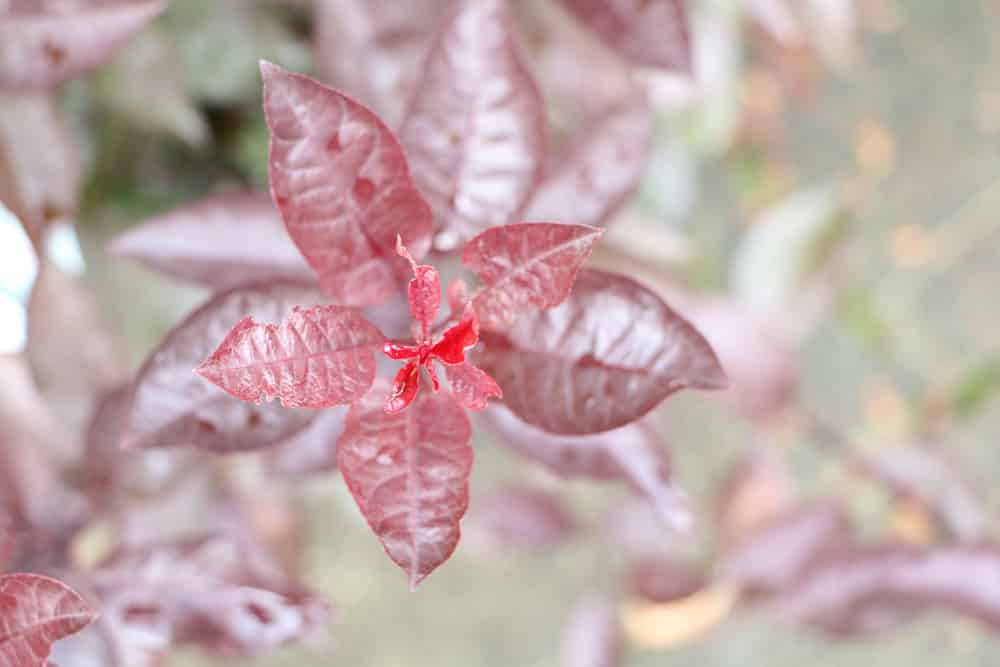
column 39, row 163
column 592, row 637
column 42, row 44
column 977, row 388
column 221, row 43
column 514, row 517
column 785, row 247
column 672, row 624
column 146, row 84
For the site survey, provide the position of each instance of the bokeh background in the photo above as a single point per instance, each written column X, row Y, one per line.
column 867, row 132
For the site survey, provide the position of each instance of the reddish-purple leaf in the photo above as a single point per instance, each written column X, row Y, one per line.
column 601, row 168
column 772, row 558
column 633, row 454
column 471, row 386
column 603, row 358
column 662, row 580
column 373, row 49
column 36, row 611
column 220, row 241
column 224, row 594
column 521, row 518
column 526, row 266
column 171, row 405
column 311, row 451
column 43, row 509
column 110, row 474
column 924, row 474
column 475, row 128
column 314, row 358
column 39, row 161
column 71, row 349
column 649, row 33
column 424, row 292
column 340, row 181
column 409, row 474
column 873, row 588
column 43, row 43
column 592, row 637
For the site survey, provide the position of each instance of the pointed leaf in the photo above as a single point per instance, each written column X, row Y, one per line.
column 39, row 162
column 340, row 181
column 41, row 46
column 634, row 454
column 601, row 170
column 475, row 128
column 314, row 358
column 650, row 33
column 526, row 266
column 36, row 611
column 173, row 406
column 219, row 241
column 606, row 356
column 409, row 474
column 471, row 386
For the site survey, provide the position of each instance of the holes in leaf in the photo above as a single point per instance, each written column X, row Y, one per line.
column 363, row 190
column 139, row 613
column 54, row 53
column 333, row 144
column 206, row 427
column 253, row 419
column 259, row 612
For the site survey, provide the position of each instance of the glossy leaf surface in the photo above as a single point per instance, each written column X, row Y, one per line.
column 651, row 33
column 471, row 386
column 171, row 405
column 340, row 181
column 601, row 169
column 44, row 43
column 606, row 356
column 36, row 611
column 526, row 266
column 475, row 129
column 220, row 242
column 409, row 474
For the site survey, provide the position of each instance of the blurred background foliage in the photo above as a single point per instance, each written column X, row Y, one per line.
column 870, row 145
